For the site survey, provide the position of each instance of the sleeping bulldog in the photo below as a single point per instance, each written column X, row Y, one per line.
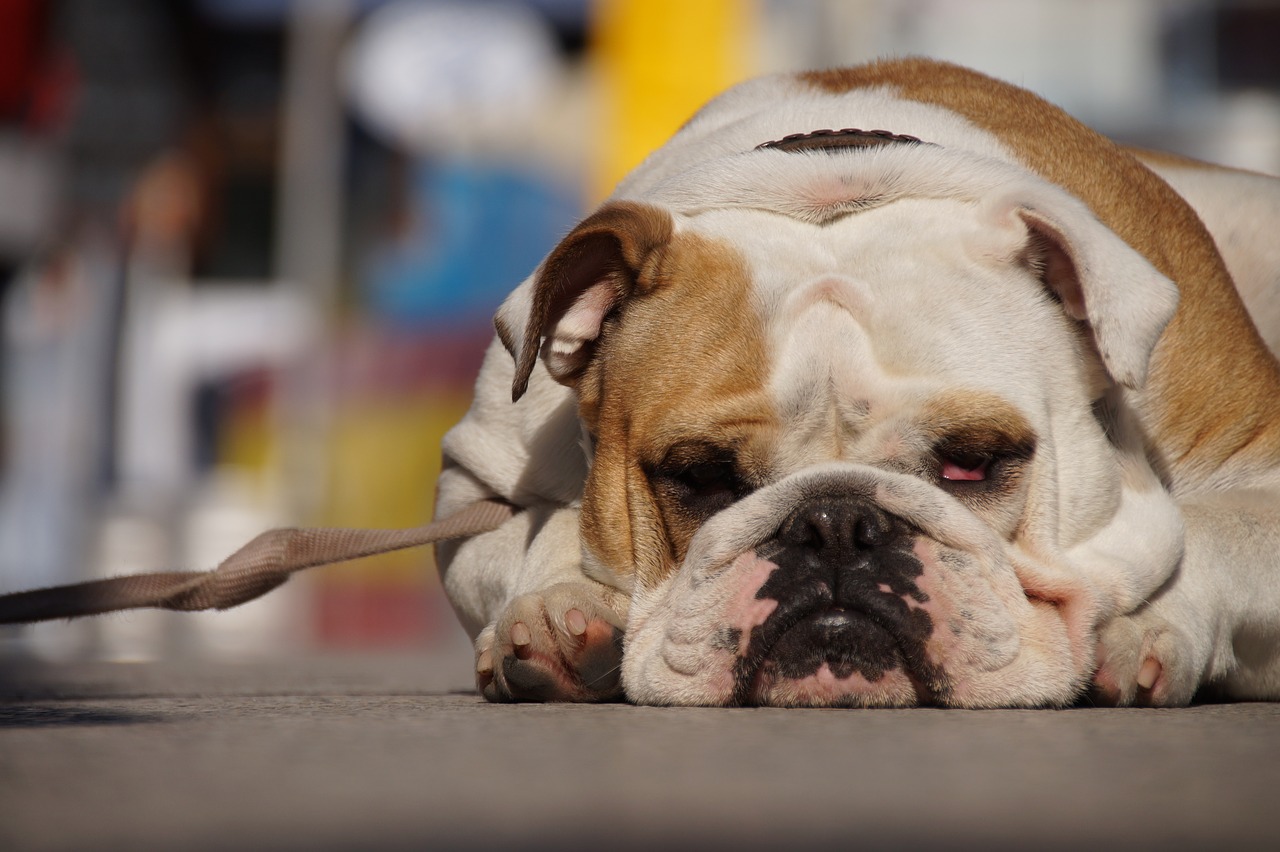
column 884, row 386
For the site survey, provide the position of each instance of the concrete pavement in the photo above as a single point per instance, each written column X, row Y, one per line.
column 394, row 751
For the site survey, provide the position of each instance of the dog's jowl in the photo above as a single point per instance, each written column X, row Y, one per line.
column 885, row 386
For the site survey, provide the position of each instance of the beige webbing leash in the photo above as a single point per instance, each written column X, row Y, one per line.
column 253, row 570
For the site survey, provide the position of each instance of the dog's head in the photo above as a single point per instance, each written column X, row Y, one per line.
column 858, row 437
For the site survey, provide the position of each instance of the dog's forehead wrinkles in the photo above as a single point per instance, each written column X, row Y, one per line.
column 910, row 293
column 827, row 382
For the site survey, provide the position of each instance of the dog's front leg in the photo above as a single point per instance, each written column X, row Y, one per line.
column 543, row 631
column 1216, row 622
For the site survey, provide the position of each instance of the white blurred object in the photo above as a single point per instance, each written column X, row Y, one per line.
column 452, row 75
column 1097, row 59
column 1247, row 135
column 168, row 514
column 178, row 337
column 56, row 356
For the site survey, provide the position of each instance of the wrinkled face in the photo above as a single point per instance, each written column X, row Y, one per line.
column 864, row 463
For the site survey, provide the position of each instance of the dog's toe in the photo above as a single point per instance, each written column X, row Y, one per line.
column 1144, row 661
column 556, row 645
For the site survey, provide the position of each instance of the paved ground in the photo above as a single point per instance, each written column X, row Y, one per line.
column 396, row 752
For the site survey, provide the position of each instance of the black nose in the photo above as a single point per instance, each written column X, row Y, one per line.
column 840, row 526
column 841, row 551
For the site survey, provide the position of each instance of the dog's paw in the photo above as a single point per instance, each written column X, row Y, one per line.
column 1144, row 660
column 563, row 643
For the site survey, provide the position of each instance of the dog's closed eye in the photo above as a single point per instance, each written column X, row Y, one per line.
column 981, row 466
column 964, row 466
column 703, row 479
column 709, row 478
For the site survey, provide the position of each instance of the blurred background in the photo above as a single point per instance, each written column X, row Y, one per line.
column 249, row 249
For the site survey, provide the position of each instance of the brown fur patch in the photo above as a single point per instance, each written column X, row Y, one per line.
column 684, row 360
column 1213, row 397
column 984, row 416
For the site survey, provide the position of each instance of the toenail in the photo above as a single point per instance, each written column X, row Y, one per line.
column 1149, row 673
column 520, row 634
column 576, row 622
column 484, row 664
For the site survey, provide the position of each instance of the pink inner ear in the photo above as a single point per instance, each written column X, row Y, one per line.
column 1058, row 267
column 583, row 320
column 567, row 348
column 955, row 473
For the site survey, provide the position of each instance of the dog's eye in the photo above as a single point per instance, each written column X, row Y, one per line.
column 707, row 487
column 699, row 479
column 964, row 466
column 707, row 478
column 700, row 483
column 980, row 461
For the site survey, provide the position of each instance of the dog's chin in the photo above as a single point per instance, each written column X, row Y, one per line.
column 835, row 656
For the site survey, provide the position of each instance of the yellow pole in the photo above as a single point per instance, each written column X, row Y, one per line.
column 657, row 62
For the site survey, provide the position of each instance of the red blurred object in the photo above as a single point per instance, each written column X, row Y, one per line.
column 379, row 615
column 21, row 52
column 37, row 78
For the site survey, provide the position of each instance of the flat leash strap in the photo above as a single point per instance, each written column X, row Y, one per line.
column 252, row 571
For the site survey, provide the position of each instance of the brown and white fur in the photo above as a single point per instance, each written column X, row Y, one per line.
column 975, row 422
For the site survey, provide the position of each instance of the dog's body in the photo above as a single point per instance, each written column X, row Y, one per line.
column 861, row 418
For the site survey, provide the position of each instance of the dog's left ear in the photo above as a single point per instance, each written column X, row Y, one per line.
column 589, row 274
column 1096, row 275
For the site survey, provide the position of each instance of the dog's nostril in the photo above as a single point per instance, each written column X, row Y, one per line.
column 838, row 524
column 810, row 526
column 873, row 529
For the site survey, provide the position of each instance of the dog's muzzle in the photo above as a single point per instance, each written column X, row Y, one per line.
column 838, row 585
column 844, row 587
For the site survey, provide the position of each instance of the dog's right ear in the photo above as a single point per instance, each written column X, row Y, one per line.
column 588, row 275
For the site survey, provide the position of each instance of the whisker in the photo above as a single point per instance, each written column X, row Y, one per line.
column 602, row 675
